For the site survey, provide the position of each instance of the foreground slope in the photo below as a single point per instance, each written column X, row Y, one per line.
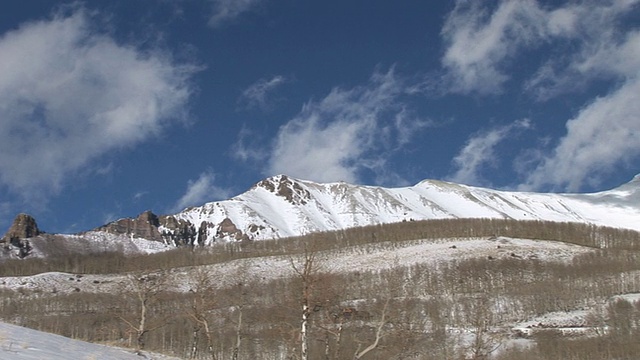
column 18, row 342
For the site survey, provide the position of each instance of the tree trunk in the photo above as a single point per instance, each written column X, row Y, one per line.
column 303, row 330
column 194, row 343
column 236, row 349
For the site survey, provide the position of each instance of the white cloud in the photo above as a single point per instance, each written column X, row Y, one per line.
column 69, row 95
column 586, row 40
column 227, row 10
column 201, row 191
column 139, row 195
column 245, row 149
column 479, row 152
column 605, row 134
column 256, row 95
column 481, row 43
column 600, row 49
column 343, row 134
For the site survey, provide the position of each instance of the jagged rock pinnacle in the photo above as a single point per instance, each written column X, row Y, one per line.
column 24, row 226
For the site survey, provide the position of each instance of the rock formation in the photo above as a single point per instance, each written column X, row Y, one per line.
column 24, row 226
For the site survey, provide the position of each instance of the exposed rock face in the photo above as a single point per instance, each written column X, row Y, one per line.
column 290, row 190
column 228, row 228
column 178, row 232
column 24, row 226
column 164, row 228
column 144, row 226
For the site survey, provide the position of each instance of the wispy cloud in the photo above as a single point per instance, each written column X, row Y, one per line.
column 479, row 153
column 605, row 134
column 600, row 48
column 139, row 195
column 70, row 94
column 225, row 11
column 588, row 41
column 200, row 191
column 257, row 94
column 246, row 147
column 481, row 42
column 347, row 132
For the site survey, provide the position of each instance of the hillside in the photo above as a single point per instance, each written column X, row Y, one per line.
column 434, row 295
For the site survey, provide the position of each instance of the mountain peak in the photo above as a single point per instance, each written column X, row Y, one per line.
column 288, row 188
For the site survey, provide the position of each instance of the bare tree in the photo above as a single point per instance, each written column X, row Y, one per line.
column 203, row 300
column 306, row 269
column 481, row 320
column 146, row 290
column 379, row 333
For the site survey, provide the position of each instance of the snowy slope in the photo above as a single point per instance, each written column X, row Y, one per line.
column 22, row 343
column 281, row 206
column 363, row 258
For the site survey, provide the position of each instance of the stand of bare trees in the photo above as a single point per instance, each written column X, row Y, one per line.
column 459, row 308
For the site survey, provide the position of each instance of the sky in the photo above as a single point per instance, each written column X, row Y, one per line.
column 111, row 108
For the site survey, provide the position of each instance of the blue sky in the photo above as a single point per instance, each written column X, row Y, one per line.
column 111, row 108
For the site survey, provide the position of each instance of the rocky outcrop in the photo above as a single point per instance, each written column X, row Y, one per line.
column 24, row 226
column 286, row 188
column 16, row 239
column 144, row 226
column 178, row 232
column 229, row 230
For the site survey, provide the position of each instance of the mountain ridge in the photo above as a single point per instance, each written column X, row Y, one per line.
column 281, row 206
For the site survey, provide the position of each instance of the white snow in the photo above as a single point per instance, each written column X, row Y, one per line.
column 18, row 342
column 372, row 257
column 334, row 206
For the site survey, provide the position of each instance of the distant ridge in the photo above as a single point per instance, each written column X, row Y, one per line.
column 281, row 206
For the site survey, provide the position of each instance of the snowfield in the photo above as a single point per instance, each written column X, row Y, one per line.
column 18, row 342
column 281, row 206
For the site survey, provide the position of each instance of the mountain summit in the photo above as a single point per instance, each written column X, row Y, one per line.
column 282, row 206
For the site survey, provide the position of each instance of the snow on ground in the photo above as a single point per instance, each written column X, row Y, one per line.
column 63, row 283
column 17, row 343
column 372, row 257
column 633, row 297
column 575, row 322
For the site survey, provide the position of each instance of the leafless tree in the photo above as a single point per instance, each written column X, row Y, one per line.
column 379, row 333
column 306, row 269
column 145, row 289
column 203, row 299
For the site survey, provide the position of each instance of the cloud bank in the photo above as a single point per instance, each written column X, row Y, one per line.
column 70, row 94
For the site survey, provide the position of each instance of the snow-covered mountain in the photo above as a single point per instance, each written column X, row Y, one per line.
column 281, row 206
